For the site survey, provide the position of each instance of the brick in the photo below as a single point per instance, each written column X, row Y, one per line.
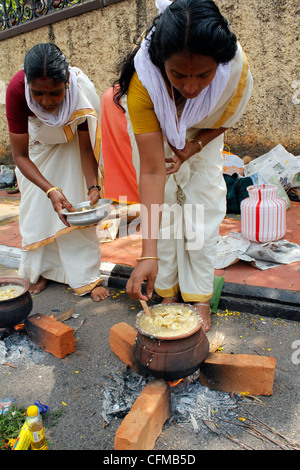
column 51, row 335
column 121, row 339
column 143, row 424
column 224, row 372
column 239, row 373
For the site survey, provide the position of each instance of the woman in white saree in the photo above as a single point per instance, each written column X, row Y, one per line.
column 53, row 116
column 186, row 83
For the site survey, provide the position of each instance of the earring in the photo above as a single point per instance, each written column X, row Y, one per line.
column 67, row 85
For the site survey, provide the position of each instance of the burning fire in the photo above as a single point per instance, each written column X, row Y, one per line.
column 20, row 326
column 173, row 383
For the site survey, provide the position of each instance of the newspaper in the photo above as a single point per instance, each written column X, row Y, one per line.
column 278, row 165
column 235, row 247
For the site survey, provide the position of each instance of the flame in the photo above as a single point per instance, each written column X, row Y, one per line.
column 173, row 383
column 20, row 326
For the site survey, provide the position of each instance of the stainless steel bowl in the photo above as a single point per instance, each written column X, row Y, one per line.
column 90, row 215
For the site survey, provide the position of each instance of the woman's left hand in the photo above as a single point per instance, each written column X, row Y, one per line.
column 181, row 156
column 94, row 196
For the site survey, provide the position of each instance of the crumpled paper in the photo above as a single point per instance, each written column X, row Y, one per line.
column 234, row 247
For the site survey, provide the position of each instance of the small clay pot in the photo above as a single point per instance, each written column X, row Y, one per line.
column 14, row 311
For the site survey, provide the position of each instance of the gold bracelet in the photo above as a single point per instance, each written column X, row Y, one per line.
column 198, row 141
column 52, row 189
column 201, row 145
column 148, row 257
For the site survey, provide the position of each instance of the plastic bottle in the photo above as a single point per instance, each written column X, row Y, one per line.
column 35, row 425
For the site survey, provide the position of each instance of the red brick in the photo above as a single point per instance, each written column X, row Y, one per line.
column 239, row 373
column 121, row 339
column 51, row 335
column 224, row 372
column 143, row 424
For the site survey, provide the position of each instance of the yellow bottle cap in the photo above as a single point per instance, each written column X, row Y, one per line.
column 32, row 411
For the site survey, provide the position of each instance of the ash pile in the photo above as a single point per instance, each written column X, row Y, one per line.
column 16, row 349
column 190, row 401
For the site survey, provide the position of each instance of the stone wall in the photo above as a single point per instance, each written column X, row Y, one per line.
column 269, row 33
column 267, row 30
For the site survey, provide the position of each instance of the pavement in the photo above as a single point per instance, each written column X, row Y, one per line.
column 275, row 291
column 259, row 313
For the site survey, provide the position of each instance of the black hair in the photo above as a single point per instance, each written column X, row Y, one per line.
column 46, row 60
column 194, row 25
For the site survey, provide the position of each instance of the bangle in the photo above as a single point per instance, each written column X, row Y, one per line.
column 198, row 141
column 93, row 186
column 52, row 189
column 147, row 257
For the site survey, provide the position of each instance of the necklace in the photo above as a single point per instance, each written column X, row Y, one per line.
column 176, row 117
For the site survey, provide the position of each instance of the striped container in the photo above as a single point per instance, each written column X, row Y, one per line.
column 263, row 214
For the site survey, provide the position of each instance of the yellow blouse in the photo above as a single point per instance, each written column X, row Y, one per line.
column 140, row 108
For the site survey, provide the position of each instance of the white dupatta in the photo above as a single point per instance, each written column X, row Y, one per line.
column 194, row 109
column 66, row 107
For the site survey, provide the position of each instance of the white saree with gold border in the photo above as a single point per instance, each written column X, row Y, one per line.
column 69, row 255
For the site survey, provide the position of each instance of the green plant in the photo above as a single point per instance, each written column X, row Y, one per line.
column 11, row 423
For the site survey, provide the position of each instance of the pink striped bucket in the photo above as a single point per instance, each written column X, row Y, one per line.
column 263, row 214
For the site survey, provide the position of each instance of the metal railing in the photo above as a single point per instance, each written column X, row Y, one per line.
column 19, row 16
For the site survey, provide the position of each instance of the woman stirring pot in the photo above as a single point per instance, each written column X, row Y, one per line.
column 186, row 83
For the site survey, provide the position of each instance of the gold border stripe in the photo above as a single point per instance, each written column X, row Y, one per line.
column 47, row 241
column 88, row 288
column 233, row 104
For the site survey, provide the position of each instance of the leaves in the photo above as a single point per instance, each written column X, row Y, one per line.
column 11, row 423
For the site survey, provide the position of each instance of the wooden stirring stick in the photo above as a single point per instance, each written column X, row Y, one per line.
column 146, row 308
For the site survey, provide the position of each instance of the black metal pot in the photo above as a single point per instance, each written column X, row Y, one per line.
column 14, row 311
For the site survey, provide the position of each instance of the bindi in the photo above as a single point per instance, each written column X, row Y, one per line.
column 45, row 85
column 192, row 71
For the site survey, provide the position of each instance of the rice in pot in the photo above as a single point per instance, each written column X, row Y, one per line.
column 169, row 321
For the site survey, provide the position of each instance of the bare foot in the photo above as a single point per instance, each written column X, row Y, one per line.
column 171, row 300
column 99, row 293
column 38, row 286
column 204, row 311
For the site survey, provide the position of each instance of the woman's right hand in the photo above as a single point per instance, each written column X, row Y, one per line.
column 145, row 270
column 60, row 202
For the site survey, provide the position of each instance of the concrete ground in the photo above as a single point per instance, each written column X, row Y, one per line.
column 259, row 313
column 75, row 385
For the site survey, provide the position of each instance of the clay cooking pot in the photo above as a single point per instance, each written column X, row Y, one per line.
column 170, row 358
column 14, row 311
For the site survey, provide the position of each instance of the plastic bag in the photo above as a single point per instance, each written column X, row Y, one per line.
column 232, row 164
column 7, row 176
column 296, row 179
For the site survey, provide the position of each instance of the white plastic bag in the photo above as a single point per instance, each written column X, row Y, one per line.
column 7, row 175
column 296, row 179
column 232, row 164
